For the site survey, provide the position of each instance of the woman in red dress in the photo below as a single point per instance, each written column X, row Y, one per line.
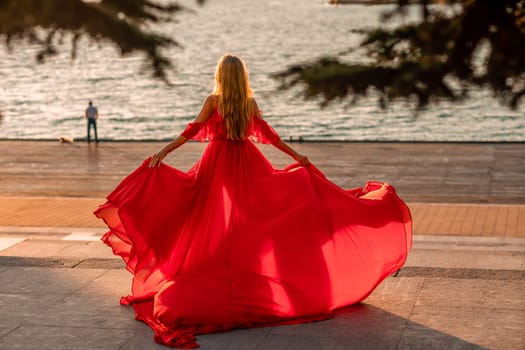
column 234, row 242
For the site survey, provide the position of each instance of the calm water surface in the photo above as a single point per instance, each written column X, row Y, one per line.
column 47, row 101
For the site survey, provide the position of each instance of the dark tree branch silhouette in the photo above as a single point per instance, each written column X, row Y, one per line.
column 121, row 22
column 438, row 58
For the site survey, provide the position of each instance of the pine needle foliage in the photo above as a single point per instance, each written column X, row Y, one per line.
column 456, row 47
column 125, row 23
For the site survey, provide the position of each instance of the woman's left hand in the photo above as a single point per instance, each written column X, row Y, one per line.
column 156, row 159
column 302, row 159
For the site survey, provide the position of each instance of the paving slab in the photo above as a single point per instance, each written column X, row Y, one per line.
column 28, row 337
column 475, row 294
column 113, row 263
column 47, row 231
column 474, row 259
column 107, row 288
column 23, row 261
column 419, row 337
column 400, row 289
column 301, row 342
column 6, row 329
column 488, row 328
column 143, row 340
column 45, row 281
column 50, row 248
column 360, row 327
column 237, row 339
column 461, row 273
column 358, row 323
column 6, row 242
column 85, row 311
column 18, row 308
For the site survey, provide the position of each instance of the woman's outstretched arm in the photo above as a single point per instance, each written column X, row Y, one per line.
column 204, row 114
column 279, row 144
column 300, row 158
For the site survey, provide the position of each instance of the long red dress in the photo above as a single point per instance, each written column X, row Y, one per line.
column 235, row 242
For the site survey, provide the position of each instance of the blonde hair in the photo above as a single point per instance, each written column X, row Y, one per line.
column 233, row 89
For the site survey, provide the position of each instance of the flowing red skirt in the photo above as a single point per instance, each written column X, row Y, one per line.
column 235, row 243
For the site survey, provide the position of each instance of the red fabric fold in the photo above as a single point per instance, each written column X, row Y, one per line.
column 191, row 130
column 260, row 131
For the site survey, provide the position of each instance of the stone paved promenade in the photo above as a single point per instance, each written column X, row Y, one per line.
column 462, row 286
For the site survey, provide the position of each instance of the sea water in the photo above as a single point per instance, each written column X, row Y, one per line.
column 45, row 101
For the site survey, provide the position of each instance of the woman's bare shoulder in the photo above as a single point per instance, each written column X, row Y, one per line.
column 254, row 108
column 213, row 100
column 207, row 109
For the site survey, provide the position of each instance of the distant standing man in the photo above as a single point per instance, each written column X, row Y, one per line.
column 91, row 116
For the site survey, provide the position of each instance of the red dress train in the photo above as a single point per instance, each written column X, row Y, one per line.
column 235, row 243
